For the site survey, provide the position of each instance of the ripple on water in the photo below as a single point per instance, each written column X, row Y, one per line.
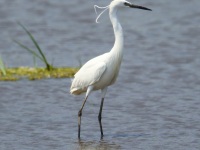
column 154, row 103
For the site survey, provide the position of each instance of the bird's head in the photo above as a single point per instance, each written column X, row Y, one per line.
column 116, row 4
column 124, row 3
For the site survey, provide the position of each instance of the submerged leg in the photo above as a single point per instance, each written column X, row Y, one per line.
column 89, row 90
column 100, row 110
column 79, row 117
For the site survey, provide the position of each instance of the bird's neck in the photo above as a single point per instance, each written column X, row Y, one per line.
column 118, row 32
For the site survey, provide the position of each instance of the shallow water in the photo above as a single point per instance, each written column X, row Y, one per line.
column 153, row 105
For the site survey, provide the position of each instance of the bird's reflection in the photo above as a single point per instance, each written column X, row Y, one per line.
column 101, row 144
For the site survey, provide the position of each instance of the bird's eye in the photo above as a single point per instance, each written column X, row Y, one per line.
column 126, row 4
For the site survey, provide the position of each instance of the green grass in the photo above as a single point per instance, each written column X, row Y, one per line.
column 40, row 55
column 2, row 67
column 34, row 73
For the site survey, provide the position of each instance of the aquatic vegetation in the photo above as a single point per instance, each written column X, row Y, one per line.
column 34, row 73
column 41, row 55
column 2, row 67
column 30, row 73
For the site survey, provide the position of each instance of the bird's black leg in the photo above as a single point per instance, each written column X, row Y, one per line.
column 79, row 117
column 99, row 117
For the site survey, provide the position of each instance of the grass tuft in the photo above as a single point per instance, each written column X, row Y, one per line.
column 2, row 67
column 41, row 55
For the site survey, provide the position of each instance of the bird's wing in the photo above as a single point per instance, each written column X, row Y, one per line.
column 89, row 74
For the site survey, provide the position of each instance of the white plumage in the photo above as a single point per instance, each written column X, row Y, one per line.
column 102, row 71
column 99, row 72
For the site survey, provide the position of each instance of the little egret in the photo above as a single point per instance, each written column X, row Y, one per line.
column 102, row 71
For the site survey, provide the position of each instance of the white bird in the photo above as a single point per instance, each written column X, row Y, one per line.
column 102, row 71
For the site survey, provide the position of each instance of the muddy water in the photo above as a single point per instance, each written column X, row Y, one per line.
column 153, row 105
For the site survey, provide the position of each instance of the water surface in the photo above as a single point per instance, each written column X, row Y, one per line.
column 154, row 103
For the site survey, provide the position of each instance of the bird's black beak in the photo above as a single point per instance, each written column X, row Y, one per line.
column 136, row 6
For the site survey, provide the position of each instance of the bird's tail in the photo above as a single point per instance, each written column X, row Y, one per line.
column 76, row 91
